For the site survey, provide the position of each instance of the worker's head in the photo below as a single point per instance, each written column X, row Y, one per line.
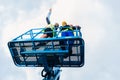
column 64, row 23
column 56, row 25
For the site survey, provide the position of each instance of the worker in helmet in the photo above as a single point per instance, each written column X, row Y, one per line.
column 66, row 31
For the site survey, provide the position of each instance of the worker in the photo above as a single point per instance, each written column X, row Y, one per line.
column 50, row 30
column 66, row 31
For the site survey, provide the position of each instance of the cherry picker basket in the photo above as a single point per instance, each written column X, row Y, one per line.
column 28, row 50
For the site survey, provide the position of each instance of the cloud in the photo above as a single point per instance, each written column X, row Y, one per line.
column 100, row 28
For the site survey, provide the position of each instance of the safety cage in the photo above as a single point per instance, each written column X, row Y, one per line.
column 28, row 50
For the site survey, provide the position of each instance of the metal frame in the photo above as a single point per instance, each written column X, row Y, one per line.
column 26, row 52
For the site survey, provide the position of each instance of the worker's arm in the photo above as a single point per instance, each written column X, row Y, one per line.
column 48, row 16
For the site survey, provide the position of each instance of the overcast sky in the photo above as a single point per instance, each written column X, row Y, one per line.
column 100, row 22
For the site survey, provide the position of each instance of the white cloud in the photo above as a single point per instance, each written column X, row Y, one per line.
column 2, row 8
column 92, row 15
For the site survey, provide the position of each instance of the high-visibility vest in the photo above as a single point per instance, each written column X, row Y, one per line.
column 53, row 29
column 66, row 28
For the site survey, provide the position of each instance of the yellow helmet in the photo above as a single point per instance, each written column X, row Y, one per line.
column 64, row 23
